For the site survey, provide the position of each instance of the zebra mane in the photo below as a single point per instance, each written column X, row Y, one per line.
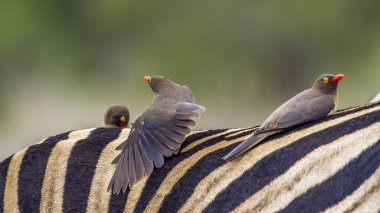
column 332, row 165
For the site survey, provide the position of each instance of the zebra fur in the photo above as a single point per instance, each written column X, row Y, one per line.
column 375, row 98
column 330, row 165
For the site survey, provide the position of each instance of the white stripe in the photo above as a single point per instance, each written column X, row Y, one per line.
column 98, row 199
column 311, row 170
column 180, row 170
column 201, row 141
column 11, row 184
column 55, row 173
column 222, row 177
column 370, row 205
column 375, row 99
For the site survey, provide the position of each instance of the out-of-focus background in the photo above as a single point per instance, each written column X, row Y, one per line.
column 63, row 62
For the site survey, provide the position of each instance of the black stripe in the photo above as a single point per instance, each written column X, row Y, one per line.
column 278, row 162
column 155, row 179
column 81, row 168
column 243, row 133
column 32, row 172
column 3, row 178
column 185, row 186
column 342, row 184
column 117, row 202
column 364, row 197
column 358, row 108
column 190, row 139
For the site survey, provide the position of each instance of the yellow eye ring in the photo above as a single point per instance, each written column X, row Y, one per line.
column 122, row 119
column 325, row 80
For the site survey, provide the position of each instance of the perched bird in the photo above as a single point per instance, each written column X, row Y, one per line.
column 158, row 132
column 311, row 104
column 116, row 116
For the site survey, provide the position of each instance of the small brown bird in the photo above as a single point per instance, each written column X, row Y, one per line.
column 116, row 117
column 158, row 132
column 309, row 105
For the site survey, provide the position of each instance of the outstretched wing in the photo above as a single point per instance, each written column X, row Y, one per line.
column 151, row 138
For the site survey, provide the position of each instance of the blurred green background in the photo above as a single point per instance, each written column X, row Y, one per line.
column 63, row 62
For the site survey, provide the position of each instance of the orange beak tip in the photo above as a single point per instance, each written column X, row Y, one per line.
column 147, row 78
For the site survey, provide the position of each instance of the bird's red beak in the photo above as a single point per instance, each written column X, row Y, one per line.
column 337, row 78
column 147, row 79
column 122, row 126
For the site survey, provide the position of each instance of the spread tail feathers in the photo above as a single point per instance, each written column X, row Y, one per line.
column 247, row 144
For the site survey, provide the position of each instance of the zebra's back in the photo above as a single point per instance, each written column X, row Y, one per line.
column 329, row 165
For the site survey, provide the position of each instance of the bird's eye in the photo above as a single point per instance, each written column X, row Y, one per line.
column 122, row 119
column 325, row 80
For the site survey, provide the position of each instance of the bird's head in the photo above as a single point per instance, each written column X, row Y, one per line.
column 328, row 83
column 158, row 82
column 117, row 116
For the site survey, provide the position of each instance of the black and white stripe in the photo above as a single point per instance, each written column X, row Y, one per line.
column 330, row 165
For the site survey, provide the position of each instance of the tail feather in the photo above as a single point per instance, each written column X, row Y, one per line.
column 247, row 144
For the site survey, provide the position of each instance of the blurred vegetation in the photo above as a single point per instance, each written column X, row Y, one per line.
column 63, row 62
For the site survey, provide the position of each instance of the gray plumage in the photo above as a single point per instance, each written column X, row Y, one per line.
column 158, row 132
column 309, row 105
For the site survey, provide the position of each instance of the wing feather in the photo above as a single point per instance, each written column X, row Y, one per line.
column 131, row 167
column 139, row 164
column 153, row 136
column 160, row 145
column 168, row 142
